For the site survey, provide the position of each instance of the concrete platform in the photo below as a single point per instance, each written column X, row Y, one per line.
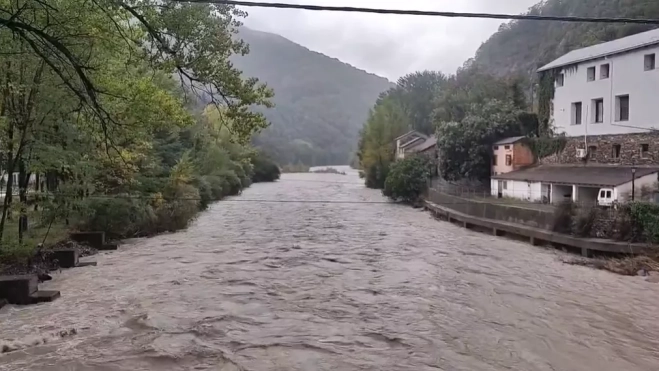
column 93, row 239
column 108, row 247
column 44, row 296
column 537, row 236
column 17, row 289
column 67, row 258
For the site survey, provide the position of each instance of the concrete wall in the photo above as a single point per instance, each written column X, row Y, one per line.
column 508, row 213
column 528, row 191
column 627, row 76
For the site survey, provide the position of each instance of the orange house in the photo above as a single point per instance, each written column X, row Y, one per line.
column 510, row 154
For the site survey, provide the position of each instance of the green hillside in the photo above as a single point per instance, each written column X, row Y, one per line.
column 520, row 47
column 320, row 102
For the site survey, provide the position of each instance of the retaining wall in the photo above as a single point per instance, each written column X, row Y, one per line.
column 482, row 209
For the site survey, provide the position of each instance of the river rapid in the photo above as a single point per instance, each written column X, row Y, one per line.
column 356, row 284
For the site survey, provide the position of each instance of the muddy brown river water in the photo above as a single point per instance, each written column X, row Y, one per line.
column 336, row 286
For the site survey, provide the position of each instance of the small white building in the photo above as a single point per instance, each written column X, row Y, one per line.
column 582, row 184
column 407, row 141
column 608, row 88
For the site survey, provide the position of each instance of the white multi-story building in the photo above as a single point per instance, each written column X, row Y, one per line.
column 609, row 88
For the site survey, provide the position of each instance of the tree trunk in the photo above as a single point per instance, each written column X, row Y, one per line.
column 6, row 205
column 23, row 181
column 37, row 190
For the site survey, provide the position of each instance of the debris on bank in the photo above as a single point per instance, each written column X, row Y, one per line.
column 628, row 266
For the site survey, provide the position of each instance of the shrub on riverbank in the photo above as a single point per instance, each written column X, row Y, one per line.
column 265, row 170
column 408, row 179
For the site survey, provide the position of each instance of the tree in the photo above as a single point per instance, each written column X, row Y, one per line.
column 265, row 170
column 377, row 148
column 193, row 41
column 408, row 179
column 417, row 92
column 465, row 147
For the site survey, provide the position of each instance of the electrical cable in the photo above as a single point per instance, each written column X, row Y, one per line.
column 528, row 17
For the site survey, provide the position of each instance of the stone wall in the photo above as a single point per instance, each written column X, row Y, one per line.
column 602, row 150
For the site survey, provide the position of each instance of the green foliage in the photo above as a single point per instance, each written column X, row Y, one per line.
column 523, row 46
column 376, row 175
column 407, row 179
column 465, row 148
column 645, row 221
column 416, row 93
column 118, row 216
column 547, row 146
column 265, row 170
column 584, row 220
column 563, row 217
column 546, row 90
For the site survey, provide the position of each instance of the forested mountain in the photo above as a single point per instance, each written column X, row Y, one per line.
column 522, row 46
column 320, row 102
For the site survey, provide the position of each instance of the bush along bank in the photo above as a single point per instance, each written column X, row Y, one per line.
column 408, row 180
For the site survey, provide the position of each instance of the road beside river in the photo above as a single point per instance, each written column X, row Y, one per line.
column 347, row 285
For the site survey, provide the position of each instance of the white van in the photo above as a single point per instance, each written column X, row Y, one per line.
column 606, row 198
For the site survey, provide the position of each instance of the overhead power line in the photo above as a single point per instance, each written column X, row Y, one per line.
column 234, row 199
column 529, row 17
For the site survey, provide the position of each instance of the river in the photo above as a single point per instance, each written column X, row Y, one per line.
column 356, row 284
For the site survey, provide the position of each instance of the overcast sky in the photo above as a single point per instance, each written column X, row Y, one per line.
column 388, row 45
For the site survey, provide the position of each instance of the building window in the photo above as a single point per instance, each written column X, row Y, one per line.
column 560, row 79
column 496, row 148
column 576, row 113
column 645, row 150
column 650, row 62
column 509, row 160
column 506, row 147
column 591, row 73
column 494, row 162
column 615, row 153
column 622, row 108
column 592, row 150
column 505, row 184
column 605, row 71
column 598, row 110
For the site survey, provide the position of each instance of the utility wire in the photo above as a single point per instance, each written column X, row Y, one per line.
column 273, row 201
column 528, row 17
